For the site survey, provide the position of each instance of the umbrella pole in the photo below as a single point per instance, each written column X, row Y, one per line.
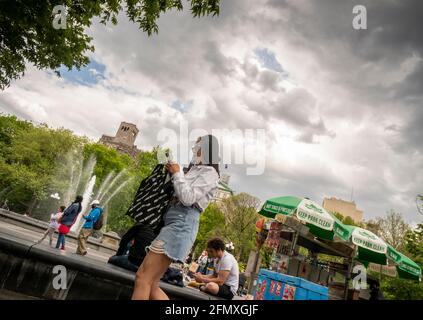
column 380, row 273
column 253, row 273
column 350, row 269
column 294, row 243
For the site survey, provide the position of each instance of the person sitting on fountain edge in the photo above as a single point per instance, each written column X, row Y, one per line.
column 142, row 235
column 225, row 280
column 88, row 227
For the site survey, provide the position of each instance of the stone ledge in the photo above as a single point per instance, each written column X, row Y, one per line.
column 28, row 270
column 41, row 226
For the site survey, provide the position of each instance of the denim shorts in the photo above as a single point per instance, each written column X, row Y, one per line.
column 177, row 237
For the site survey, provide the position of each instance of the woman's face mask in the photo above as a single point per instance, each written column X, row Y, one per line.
column 196, row 160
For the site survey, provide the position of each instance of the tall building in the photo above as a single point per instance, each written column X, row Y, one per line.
column 223, row 191
column 345, row 208
column 124, row 141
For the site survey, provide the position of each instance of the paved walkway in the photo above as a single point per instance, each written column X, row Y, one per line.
column 22, row 233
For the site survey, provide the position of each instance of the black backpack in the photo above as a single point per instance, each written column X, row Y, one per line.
column 174, row 276
column 152, row 198
column 99, row 223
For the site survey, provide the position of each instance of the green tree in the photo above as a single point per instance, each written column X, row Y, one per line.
column 36, row 161
column 373, row 225
column 233, row 220
column 339, row 216
column 345, row 219
column 27, row 162
column 10, row 126
column 108, row 160
column 27, row 33
column 266, row 254
column 400, row 289
column 419, row 203
column 349, row 221
column 117, row 220
column 212, row 223
column 392, row 228
column 414, row 244
column 240, row 213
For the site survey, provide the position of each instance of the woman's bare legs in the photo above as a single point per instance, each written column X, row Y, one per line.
column 148, row 277
column 158, row 294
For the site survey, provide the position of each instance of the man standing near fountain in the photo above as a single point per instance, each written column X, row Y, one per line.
column 88, row 227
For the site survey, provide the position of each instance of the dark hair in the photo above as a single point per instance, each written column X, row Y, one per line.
column 216, row 244
column 210, row 146
column 79, row 199
column 62, row 208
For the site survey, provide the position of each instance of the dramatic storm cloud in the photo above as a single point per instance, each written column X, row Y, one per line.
column 342, row 108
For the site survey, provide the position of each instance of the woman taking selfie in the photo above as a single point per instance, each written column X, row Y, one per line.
column 193, row 192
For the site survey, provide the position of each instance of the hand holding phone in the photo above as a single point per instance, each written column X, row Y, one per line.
column 173, row 168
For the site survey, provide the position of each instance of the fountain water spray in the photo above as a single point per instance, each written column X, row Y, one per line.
column 112, row 184
column 76, row 167
column 85, row 204
column 88, row 171
column 76, row 176
column 123, row 185
column 104, row 184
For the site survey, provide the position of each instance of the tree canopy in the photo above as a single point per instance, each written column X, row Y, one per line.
column 28, row 155
column 233, row 219
column 36, row 161
column 394, row 230
column 27, row 33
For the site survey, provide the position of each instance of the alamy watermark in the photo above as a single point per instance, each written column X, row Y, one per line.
column 360, row 19
column 360, row 280
column 60, row 13
column 60, row 282
column 240, row 147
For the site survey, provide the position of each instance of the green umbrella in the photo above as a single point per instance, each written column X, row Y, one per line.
column 320, row 222
column 406, row 268
column 371, row 248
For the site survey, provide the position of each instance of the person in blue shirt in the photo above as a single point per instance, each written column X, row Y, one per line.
column 88, row 227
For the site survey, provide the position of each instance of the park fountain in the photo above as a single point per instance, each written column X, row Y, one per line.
column 88, row 193
column 118, row 189
column 105, row 183
column 110, row 186
column 77, row 177
column 74, row 162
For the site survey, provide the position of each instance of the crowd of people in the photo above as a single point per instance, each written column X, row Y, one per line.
column 150, row 251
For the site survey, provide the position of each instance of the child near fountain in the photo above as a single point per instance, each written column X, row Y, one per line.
column 53, row 225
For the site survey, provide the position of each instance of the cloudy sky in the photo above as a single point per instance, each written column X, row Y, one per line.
column 342, row 108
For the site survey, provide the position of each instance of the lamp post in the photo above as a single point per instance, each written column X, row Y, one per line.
column 419, row 203
column 55, row 196
column 261, row 236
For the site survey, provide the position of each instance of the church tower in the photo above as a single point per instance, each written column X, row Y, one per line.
column 124, row 141
column 127, row 134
